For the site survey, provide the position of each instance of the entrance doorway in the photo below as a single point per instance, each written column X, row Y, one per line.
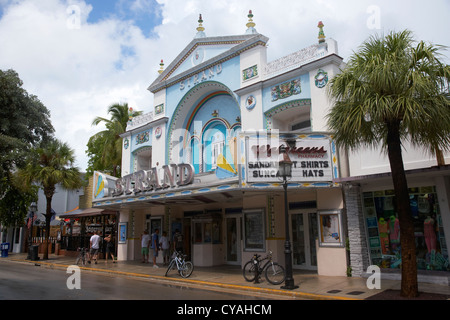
column 233, row 240
column 187, row 245
column 303, row 235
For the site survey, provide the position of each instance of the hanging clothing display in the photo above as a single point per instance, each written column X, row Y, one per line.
column 394, row 232
column 429, row 233
column 384, row 235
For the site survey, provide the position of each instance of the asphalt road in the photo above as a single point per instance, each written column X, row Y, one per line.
column 33, row 282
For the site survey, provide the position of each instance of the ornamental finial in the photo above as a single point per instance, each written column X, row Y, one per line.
column 200, row 23
column 250, row 24
column 161, row 68
column 200, row 28
column 321, row 36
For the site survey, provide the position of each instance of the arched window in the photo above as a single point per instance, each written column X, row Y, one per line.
column 142, row 159
column 214, row 142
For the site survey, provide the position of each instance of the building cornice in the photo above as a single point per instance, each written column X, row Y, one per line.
column 145, row 127
column 243, row 43
column 301, row 69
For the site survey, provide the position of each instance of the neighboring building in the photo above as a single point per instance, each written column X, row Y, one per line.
column 198, row 161
column 374, row 233
column 62, row 201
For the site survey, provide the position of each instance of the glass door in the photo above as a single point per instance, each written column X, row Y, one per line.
column 233, row 240
column 303, row 235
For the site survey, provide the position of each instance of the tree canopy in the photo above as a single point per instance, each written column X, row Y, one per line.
column 105, row 147
column 24, row 122
column 392, row 79
column 50, row 164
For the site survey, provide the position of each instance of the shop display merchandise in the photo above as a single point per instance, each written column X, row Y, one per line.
column 384, row 229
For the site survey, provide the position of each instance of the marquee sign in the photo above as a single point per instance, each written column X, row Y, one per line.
column 168, row 176
column 311, row 159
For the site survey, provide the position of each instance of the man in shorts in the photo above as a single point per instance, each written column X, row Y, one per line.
column 145, row 244
column 95, row 246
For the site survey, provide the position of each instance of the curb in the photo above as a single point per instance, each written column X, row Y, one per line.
column 278, row 292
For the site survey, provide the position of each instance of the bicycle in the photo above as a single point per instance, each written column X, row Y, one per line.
column 274, row 272
column 184, row 267
column 82, row 256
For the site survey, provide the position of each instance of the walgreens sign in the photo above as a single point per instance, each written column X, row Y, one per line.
column 311, row 159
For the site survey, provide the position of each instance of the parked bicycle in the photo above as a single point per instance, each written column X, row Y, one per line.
column 273, row 272
column 184, row 267
column 82, row 256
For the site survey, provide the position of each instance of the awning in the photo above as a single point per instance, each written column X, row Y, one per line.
column 85, row 213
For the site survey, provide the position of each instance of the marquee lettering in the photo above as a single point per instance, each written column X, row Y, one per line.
column 267, row 150
column 202, row 76
column 168, row 176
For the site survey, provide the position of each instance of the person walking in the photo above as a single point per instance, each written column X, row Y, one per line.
column 94, row 247
column 165, row 246
column 145, row 244
column 109, row 247
column 155, row 247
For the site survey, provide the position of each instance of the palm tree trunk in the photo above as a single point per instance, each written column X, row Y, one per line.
column 439, row 157
column 48, row 217
column 409, row 285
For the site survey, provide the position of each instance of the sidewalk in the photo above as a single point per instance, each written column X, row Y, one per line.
column 311, row 285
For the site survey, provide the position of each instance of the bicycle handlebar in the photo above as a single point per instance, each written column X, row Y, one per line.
column 257, row 256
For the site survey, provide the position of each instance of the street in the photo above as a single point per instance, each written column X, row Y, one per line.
column 35, row 282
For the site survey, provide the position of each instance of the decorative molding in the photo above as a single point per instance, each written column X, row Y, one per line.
column 243, row 43
column 250, row 102
column 139, row 121
column 293, row 60
column 172, row 70
column 142, row 137
column 286, row 89
column 158, row 132
column 159, row 109
column 321, row 79
column 250, row 73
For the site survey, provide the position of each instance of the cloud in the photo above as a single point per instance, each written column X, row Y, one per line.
column 78, row 67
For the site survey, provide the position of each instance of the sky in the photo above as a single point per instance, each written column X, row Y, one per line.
column 80, row 56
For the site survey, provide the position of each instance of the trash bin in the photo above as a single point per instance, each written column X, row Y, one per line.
column 34, row 252
column 4, row 249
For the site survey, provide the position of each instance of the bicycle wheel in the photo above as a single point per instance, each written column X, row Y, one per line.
column 249, row 271
column 186, row 269
column 275, row 273
column 171, row 264
column 81, row 260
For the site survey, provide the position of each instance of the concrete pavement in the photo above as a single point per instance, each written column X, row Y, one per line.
column 311, row 285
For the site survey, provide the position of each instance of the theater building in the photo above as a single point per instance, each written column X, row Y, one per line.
column 205, row 158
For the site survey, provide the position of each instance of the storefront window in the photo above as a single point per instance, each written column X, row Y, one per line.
column 207, row 231
column 330, row 229
column 384, row 230
column 254, row 230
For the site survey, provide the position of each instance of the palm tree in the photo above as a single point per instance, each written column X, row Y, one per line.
column 49, row 165
column 109, row 139
column 392, row 90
